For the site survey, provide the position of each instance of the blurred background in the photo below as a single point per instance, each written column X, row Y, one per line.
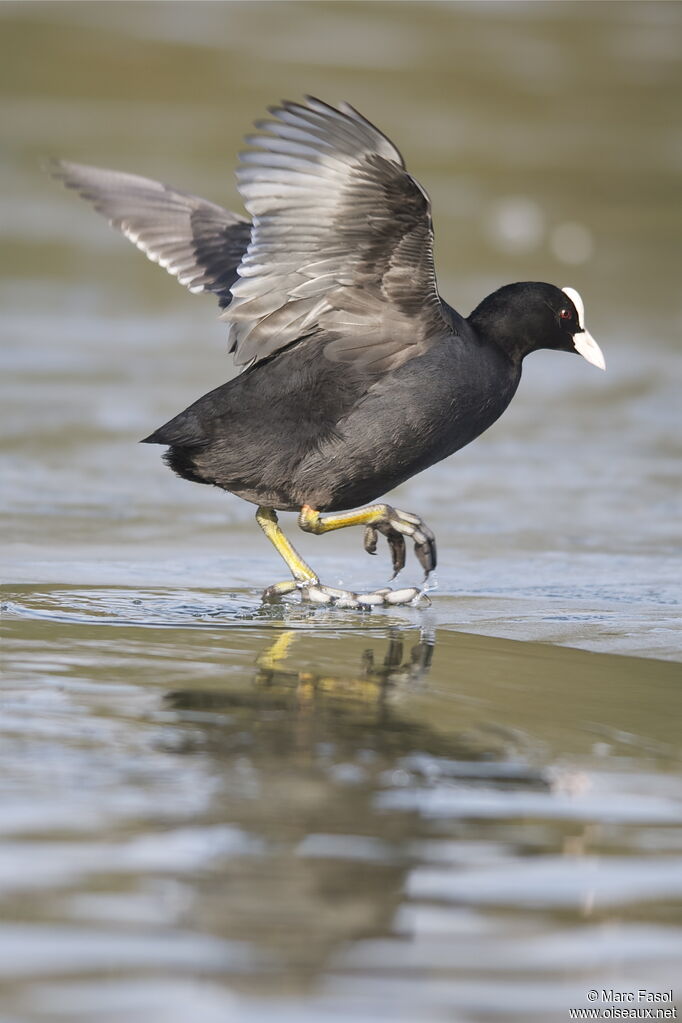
column 275, row 812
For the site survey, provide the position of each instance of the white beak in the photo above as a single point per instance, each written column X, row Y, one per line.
column 589, row 349
column 583, row 340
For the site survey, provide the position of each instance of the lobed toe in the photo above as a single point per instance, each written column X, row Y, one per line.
column 317, row 595
column 404, row 596
column 370, row 539
column 426, row 555
column 375, row 599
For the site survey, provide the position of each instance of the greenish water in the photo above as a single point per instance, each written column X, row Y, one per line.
column 213, row 810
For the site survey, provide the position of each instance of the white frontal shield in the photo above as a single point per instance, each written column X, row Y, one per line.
column 583, row 340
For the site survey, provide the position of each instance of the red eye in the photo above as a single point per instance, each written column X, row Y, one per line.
column 565, row 314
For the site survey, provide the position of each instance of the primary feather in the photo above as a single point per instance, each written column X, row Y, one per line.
column 195, row 240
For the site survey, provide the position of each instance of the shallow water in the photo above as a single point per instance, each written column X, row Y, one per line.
column 213, row 809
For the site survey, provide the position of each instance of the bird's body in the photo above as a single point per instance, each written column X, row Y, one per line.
column 357, row 375
column 352, row 436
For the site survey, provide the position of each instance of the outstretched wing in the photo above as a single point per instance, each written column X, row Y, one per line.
column 342, row 242
column 198, row 242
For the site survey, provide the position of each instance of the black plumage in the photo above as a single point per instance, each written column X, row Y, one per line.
column 357, row 374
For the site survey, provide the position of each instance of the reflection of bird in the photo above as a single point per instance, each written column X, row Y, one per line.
column 357, row 374
column 304, row 696
column 327, row 760
column 393, row 671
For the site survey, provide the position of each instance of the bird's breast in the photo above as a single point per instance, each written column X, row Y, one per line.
column 411, row 419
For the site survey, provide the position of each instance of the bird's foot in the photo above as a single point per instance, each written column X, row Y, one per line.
column 319, row 594
column 395, row 527
column 313, row 592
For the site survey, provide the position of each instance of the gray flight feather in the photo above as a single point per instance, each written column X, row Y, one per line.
column 341, row 245
column 198, row 242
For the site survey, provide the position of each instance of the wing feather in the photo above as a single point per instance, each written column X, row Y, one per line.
column 198, row 242
column 342, row 241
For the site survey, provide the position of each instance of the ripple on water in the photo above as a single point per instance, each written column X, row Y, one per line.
column 175, row 608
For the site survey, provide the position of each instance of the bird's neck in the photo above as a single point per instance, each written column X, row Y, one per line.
column 494, row 323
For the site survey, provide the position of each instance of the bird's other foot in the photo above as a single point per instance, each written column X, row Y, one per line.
column 313, row 592
column 395, row 527
column 409, row 595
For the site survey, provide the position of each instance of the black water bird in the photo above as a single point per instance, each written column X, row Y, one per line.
column 356, row 374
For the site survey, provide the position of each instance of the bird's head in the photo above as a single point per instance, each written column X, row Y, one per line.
column 522, row 318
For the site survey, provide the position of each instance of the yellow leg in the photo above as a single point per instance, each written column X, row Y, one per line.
column 303, row 573
column 378, row 518
column 311, row 521
column 394, row 524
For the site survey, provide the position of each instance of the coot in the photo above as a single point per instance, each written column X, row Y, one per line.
column 356, row 374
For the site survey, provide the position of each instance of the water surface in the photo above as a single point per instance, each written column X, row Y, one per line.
column 211, row 807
